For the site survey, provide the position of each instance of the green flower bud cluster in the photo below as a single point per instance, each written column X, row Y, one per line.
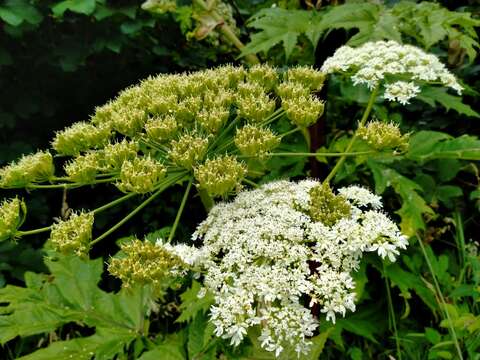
column 80, row 137
column 212, row 120
column 188, row 150
column 161, row 129
column 264, row 75
column 84, row 168
column 326, row 207
column 144, row 263
column 252, row 140
column 115, row 154
column 11, row 217
column 307, row 77
column 73, row 236
column 303, row 111
column 29, row 169
column 380, row 135
column 220, row 176
column 140, row 175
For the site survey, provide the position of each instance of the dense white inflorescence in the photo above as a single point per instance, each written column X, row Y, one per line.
column 392, row 63
column 263, row 255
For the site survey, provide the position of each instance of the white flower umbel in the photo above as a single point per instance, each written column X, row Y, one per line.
column 391, row 63
column 263, row 256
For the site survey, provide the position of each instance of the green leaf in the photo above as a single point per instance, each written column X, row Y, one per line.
column 191, row 304
column 430, row 145
column 200, row 334
column 16, row 12
column 432, row 95
column 86, row 7
column 282, row 26
column 372, row 21
column 413, row 205
column 172, row 348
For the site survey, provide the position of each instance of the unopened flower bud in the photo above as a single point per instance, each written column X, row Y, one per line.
column 307, row 76
column 115, row 154
column 220, row 176
column 12, row 213
column 380, row 135
column 263, row 75
column 144, row 263
column 292, row 90
column 84, row 168
column 255, row 109
column 80, row 137
column 255, row 141
column 73, row 236
column 213, row 119
column 161, row 129
column 188, row 150
column 140, row 175
column 326, row 207
column 303, row 111
column 188, row 108
column 29, row 169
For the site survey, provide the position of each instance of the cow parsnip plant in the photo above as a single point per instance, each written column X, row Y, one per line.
column 265, row 257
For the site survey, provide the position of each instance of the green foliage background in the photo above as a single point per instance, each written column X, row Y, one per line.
column 60, row 59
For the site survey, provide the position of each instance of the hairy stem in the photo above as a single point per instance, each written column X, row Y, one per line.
column 366, row 113
column 207, row 200
column 33, row 231
column 392, row 314
column 180, row 210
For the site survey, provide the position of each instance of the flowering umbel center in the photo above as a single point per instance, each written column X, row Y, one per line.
column 390, row 63
column 257, row 252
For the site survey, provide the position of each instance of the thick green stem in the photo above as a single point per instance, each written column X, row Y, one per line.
column 442, row 299
column 113, row 203
column 180, row 211
column 358, row 153
column 366, row 113
column 162, row 187
column 207, row 200
column 33, row 231
column 252, row 59
column 392, row 314
column 289, row 132
column 67, row 185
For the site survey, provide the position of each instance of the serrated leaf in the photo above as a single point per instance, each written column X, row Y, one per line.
column 191, row 304
column 430, row 145
column 281, row 26
column 432, row 95
column 172, row 348
column 413, row 205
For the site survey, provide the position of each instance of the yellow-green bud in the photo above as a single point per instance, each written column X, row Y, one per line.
column 188, row 150
column 103, row 115
column 163, row 105
column 73, row 236
column 12, row 213
column 140, row 175
column 161, row 129
column 188, row 108
column 29, row 169
column 263, row 75
column 307, row 76
column 144, row 263
column 128, row 121
column 159, row 6
column 326, row 207
column 80, row 137
column 213, row 119
column 303, row 111
column 255, row 141
column 84, row 168
column 380, row 135
column 251, row 90
column 255, row 109
column 222, row 98
column 115, row 154
column 220, row 176
column 230, row 76
column 292, row 90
